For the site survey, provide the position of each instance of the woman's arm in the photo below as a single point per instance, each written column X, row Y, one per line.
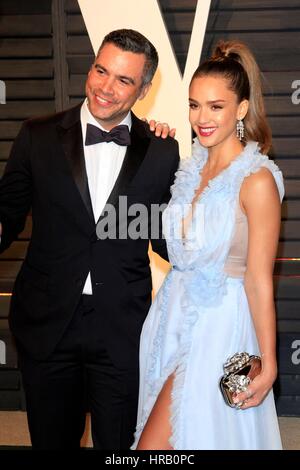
column 260, row 201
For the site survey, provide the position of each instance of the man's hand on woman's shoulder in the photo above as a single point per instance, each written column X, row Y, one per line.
column 161, row 129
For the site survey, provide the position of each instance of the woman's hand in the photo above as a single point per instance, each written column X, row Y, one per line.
column 161, row 129
column 257, row 390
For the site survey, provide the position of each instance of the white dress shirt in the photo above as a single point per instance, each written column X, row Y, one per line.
column 103, row 163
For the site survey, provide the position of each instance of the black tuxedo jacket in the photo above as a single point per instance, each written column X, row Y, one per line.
column 46, row 173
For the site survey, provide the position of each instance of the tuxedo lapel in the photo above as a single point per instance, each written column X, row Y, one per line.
column 134, row 157
column 71, row 138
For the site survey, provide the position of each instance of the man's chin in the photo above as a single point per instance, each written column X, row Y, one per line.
column 107, row 122
column 104, row 115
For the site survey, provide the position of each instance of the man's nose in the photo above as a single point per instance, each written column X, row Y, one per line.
column 107, row 86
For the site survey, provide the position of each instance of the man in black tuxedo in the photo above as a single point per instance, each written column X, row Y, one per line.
column 80, row 299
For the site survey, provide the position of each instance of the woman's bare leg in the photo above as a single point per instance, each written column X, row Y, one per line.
column 157, row 431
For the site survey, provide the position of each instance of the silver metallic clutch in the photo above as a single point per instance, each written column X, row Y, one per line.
column 239, row 370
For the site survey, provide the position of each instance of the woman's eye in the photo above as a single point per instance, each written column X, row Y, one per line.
column 215, row 107
column 192, row 106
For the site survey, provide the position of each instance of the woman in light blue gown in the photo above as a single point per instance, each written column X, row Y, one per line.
column 222, row 228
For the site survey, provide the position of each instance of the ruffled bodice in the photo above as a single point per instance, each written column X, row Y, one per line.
column 204, row 251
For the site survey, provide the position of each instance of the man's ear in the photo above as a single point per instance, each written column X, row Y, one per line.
column 144, row 90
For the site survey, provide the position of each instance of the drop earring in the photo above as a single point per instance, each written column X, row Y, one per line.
column 240, row 129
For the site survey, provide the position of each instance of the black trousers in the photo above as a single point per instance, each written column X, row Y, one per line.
column 77, row 375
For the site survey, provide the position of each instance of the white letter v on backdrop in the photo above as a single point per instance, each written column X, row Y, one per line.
column 168, row 98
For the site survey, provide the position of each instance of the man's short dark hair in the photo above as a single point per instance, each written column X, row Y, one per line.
column 133, row 41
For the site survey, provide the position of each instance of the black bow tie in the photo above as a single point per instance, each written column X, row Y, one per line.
column 119, row 134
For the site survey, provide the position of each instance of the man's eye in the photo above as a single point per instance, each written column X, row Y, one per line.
column 192, row 106
column 216, row 107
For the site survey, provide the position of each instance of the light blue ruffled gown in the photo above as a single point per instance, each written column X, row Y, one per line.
column 201, row 316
